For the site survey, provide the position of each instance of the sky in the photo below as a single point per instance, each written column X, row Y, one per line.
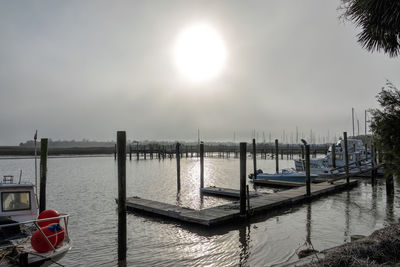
column 86, row 69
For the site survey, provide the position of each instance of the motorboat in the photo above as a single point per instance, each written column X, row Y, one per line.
column 27, row 239
column 357, row 155
column 286, row 175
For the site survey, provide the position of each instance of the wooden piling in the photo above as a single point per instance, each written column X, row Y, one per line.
column 130, row 152
column 302, row 151
column 308, row 180
column 287, row 151
column 333, row 155
column 276, row 156
column 346, row 154
column 201, row 165
column 115, row 152
column 121, row 144
column 243, row 152
column 248, row 200
column 43, row 173
column 389, row 184
column 137, row 151
column 254, row 159
column 178, row 167
column 373, row 172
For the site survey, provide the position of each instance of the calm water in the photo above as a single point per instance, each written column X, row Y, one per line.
column 87, row 187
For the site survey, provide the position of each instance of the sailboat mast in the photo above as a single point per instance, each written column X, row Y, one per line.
column 365, row 119
column 352, row 116
column 35, row 138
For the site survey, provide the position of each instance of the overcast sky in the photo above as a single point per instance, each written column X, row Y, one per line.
column 85, row 69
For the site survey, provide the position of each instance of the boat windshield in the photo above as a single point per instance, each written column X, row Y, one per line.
column 13, row 201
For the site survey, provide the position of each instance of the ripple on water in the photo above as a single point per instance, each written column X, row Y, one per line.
column 86, row 188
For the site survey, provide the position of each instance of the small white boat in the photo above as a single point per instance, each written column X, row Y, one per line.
column 287, row 175
column 19, row 222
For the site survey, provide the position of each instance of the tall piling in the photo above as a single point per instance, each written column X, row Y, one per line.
column 373, row 172
column 43, row 173
column 243, row 151
column 308, row 179
column 254, row 158
column 201, row 165
column 178, row 167
column 130, row 152
column 115, row 152
column 276, row 156
column 121, row 150
column 346, row 154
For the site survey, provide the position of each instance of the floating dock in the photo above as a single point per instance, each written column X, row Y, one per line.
column 231, row 211
column 226, row 192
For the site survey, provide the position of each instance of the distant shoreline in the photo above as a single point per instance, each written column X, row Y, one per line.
column 55, row 151
column 168, row 148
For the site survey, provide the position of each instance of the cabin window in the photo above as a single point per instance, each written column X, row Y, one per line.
column 339, row 157
column 12, row 201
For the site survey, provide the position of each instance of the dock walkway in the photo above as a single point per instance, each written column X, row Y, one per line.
column 228, row 212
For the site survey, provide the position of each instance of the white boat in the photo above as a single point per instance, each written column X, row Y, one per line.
column 286, row 175
column 356, row 152
column 18, row 222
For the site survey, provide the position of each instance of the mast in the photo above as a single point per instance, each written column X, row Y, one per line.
column 352, row 116
column 35, row 138
column 365, row 121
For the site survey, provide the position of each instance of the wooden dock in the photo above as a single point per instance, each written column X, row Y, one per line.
column 226, row 192
column 276, row 183
column 228, row 212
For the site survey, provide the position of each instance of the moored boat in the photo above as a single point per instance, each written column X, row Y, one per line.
column 287, row 175
column 25, row 238
column 357, row 154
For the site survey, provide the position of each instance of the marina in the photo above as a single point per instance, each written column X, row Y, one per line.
column 228, row 239
column 199, row 133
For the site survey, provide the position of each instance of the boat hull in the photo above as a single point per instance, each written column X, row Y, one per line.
column 286, row 178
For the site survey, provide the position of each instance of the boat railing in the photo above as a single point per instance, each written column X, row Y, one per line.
column 63, row 217
column 353, row 165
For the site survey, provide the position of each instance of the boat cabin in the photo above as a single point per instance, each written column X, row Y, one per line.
column 17, row 201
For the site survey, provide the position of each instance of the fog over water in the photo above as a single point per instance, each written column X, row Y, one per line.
column 84, row 69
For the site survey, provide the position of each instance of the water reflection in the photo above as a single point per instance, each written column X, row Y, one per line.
column 308, row 224
column 244, row 240
column 389, row 208
column 347, row 217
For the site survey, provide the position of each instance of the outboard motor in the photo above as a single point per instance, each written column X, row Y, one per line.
column 251, row 175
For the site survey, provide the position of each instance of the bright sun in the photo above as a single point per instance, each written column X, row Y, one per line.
column 200, row 52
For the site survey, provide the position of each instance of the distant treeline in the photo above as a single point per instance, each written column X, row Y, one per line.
column 72, row 143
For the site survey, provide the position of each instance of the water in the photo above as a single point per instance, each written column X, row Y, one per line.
column 86, row 188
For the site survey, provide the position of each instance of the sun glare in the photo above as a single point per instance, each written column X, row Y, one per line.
column 200, row 53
